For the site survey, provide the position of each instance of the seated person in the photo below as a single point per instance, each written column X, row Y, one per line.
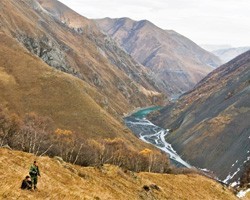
column 26, row 184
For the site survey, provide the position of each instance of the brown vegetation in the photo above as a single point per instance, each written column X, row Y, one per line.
column 90, row 98
column 37, row 135
column 29, row 85
column 60, row 180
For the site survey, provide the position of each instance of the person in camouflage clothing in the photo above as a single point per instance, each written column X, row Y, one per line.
column 34, row 173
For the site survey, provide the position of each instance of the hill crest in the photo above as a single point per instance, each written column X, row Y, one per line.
column 60, row 180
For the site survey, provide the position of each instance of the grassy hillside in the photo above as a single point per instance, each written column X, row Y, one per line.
column 65, row 181
column 71, row 43
column 29, row 85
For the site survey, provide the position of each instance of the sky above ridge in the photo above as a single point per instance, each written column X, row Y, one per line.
column 203, row 21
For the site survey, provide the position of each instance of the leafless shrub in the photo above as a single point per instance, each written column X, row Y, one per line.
column 37, row 135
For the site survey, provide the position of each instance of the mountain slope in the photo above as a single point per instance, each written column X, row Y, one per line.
column 176, row 60
column 29, row 85
column 60, row 180
column 228, row 54
column 211, row 123
column 73, row 44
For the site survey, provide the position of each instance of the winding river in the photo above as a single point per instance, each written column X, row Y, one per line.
column 155, row 135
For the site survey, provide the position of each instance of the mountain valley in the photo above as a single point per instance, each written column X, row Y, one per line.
column 114, row 108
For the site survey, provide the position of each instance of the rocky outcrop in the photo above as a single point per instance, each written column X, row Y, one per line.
column 48, row 50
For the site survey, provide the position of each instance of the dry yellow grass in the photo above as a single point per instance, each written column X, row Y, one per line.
column 66, row 181
column 29, row 85
column 247, row 197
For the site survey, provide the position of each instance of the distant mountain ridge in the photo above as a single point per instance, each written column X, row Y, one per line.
column 210, row 123
column 214, row 47
column 177, row 61
column 230, row 53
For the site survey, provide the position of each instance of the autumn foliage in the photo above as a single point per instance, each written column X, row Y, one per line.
column 37, row 135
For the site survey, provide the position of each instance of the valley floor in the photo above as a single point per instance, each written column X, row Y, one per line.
column 60, row 180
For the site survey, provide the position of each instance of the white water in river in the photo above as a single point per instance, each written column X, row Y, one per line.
column 150, row 133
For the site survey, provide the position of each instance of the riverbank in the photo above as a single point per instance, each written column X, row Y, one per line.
column 150, row 133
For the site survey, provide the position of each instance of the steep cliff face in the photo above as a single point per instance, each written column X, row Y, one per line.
column 176, row 60
column 73, row 44
column 210, row 124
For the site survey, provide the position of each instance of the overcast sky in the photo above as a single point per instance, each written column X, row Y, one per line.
column 203, row 21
